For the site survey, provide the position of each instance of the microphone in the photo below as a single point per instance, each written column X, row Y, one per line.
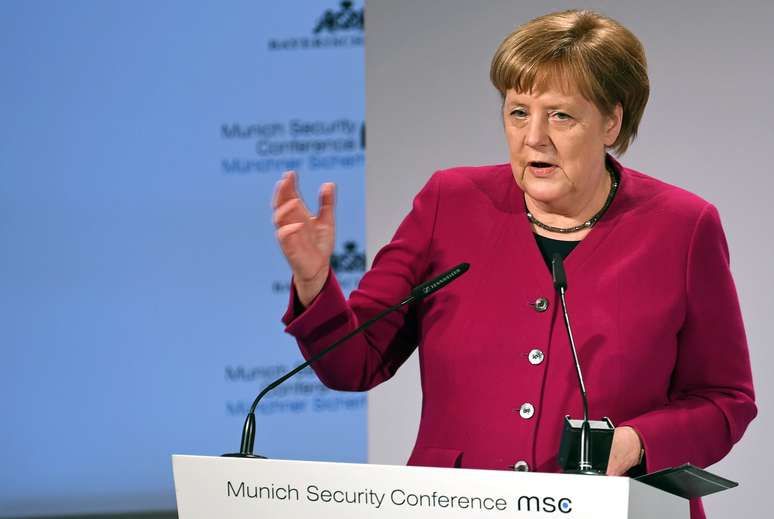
column 581, row 438
column 557, row 272
column 429, row 287
column 417, row 294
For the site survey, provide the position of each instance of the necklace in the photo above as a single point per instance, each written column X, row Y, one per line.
column 588, row 224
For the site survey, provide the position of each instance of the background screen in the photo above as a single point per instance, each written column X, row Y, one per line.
column 141, row 287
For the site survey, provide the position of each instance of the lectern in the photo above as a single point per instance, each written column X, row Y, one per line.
column 238, row 488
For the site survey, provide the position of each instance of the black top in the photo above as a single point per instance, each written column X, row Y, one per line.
column 549, row 246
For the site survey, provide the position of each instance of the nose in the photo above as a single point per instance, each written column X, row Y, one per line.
column 537, row 133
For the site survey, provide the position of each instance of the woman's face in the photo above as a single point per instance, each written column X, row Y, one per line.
column 557, row 145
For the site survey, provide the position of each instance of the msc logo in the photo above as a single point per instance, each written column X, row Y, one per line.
column 546, row 504
column 351, row 260
column 344, row 19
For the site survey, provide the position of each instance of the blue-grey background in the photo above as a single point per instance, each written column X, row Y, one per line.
column 140, row 284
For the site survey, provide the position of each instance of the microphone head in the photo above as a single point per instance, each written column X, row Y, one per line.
column 437, row 283
column 557, row 272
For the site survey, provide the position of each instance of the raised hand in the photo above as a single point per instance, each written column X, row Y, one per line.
column 306, row 240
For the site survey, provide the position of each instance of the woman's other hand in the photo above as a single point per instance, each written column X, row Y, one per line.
column 625, row 452
column 306, row 240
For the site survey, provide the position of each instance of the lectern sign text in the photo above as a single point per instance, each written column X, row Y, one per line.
column 237, row 488
column 396, row 497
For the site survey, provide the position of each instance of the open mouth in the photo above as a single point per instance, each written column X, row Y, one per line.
column 541, row 165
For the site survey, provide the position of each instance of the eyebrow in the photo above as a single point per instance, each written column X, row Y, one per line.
column 553, row 106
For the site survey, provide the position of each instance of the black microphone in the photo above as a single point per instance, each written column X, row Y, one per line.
column 429, row 287
column 557, row 272
column 573, row 437
column 417, row 293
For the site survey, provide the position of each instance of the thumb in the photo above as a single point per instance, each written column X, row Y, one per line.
column 326, row 213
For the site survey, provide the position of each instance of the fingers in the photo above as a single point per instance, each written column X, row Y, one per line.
column 287, row 203
column 327, row 210
column 285, row 189
column 292, row 211
column 624, row 452
column 289, row 232
column 306, row 240
column 614, row 467
column 614, row 461
column 290, row 208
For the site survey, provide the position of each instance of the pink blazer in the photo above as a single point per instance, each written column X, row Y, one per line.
column 653, row 306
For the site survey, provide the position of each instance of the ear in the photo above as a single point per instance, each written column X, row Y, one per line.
column 613, row 125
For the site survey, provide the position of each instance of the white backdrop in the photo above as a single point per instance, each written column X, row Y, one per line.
column 709, row 127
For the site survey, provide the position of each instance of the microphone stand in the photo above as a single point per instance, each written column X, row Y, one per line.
column 248, row 430
column 419, row 292
column 584, row 463
column 604, row 433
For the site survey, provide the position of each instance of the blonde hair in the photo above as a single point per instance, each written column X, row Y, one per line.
column 578, row 50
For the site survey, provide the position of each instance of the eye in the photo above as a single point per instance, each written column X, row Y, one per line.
column 561, row 116
column 519, row 113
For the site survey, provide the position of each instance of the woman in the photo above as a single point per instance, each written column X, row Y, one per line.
column 655, row 312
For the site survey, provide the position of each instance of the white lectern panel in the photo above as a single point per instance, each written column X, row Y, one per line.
column 236, row 488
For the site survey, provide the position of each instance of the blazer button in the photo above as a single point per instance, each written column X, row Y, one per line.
column 526, row 410
column 540, row 304
column 536, row 357
column 521, row 466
